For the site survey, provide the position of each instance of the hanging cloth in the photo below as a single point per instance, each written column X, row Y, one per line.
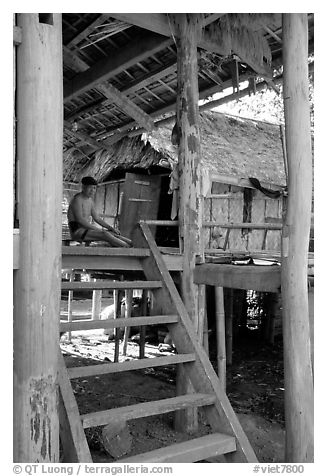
column 269, row 193
column 173, row 188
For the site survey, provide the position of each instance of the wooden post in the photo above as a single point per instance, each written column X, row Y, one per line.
column 117, row 314
column 144, row 307
column 229, row 329
column 220, row 334
column 38, row 280
column 190, row 186
column 70, row 302
column 201, row 311
column 295, row 243
column 96, row 303
column 128, row 314
column 206, row 330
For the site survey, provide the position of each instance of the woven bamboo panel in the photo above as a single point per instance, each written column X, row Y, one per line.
column 273, row 210
column 207, row 206
column 258, row 216
column 238, row 239
column 219, row 212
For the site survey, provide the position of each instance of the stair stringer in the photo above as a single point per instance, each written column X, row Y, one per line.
column 221, row 415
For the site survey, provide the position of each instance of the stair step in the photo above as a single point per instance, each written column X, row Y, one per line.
column 141, row 410
column 88, row 324
column 188, row 451
column 81, row 286
column 105, row 251
column 101, row 369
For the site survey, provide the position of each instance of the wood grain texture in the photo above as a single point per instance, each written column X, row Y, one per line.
column 37, row 281
column 295, row 243
column 187, row 452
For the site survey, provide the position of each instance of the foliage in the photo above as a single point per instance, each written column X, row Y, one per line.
column 266, row 105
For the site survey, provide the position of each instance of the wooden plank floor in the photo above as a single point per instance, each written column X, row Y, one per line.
column 258, row 278
column 119, row 259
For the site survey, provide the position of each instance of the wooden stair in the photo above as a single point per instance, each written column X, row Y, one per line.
column 227, row 436
column 142, row 410
column 190, row 451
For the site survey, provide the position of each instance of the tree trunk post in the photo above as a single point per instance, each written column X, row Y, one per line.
column 37, row 282
column 190, row 184
column 295, row 243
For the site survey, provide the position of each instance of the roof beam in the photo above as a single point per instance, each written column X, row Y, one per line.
column 122, row 101
column 160, row 23
column 136, row 51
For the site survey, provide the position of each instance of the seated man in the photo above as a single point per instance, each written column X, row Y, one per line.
column 81, row 210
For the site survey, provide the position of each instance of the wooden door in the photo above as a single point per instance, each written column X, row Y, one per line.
column 140, row 202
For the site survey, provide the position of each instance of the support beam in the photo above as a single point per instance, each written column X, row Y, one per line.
column 295, row 243
column 163, row 23
column 220, row 335
column 136, row 51
column 37, row 281
column 158, row 22
column 124, row 103
column 189, row 162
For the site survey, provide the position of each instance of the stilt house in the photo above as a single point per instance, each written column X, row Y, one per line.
column 85, row 82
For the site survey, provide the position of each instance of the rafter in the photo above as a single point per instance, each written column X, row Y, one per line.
column 84, row 33
column 73, row 61
column 122, row 101
column 165, row 25
column 137, row 50
column 82, row 137
column 131, row 88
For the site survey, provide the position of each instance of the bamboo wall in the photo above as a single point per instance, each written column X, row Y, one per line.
column 236, row 209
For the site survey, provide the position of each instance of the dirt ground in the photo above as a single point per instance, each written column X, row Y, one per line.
column 254, row 387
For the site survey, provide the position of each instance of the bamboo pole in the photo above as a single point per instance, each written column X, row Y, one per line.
column 190, row 187
column 295, row 243
column 38, row 279
column 220, row 334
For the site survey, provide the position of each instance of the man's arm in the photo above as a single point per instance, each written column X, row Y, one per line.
column 101, row 222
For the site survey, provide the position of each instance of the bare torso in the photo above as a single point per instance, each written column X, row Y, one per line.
column 84, row 205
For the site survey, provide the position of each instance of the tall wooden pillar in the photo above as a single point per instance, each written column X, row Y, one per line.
column 295, row 243
column 189, row 157
column 37, row 281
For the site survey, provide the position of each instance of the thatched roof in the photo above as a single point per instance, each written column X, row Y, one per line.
column 230, row 146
